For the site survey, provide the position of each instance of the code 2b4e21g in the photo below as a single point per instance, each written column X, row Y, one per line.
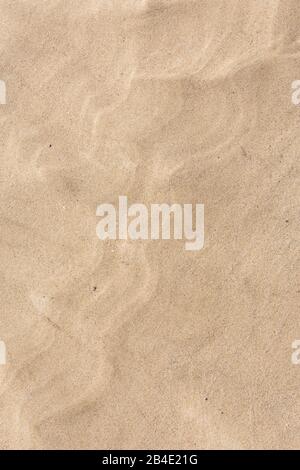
column 171, row 459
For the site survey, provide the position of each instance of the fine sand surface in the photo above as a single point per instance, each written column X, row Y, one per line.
column 141, row 344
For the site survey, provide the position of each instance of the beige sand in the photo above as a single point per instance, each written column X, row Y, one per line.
column 142, row 344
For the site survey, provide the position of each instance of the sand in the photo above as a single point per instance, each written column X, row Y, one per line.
column 140, row 344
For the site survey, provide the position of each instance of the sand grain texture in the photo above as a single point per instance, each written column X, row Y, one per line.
column 124, row 344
